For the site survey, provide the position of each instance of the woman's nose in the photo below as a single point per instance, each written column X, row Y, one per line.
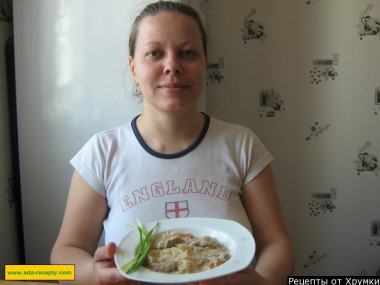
column 172, row 65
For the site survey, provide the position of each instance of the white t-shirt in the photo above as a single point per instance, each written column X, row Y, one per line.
column 204, row 180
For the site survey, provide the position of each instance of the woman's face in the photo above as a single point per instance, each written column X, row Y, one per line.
column 169, row 62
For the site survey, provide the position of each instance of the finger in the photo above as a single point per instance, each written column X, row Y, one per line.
column 234, row 278
column 107, row 273
column 248, row 270
column 218, row 281
column 113, row 275
column 111, row 249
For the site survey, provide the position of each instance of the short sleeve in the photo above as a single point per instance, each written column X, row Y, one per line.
column 257, row 156
column 89, row 162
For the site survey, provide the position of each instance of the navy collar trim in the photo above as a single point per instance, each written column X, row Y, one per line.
column 171, row 155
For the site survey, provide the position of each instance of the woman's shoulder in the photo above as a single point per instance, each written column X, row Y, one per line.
column 114, row 135
column 221, row 126
column 115, row 131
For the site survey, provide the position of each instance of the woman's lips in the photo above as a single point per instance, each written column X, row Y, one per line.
column 173, row 87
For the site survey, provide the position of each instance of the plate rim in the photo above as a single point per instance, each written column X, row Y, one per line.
column 214, row 224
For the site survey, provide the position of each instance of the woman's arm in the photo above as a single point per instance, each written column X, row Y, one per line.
column 274, row 251
column 275, row 256
column 79, row 236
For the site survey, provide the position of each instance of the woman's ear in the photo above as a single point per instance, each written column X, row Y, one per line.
column 132, row 68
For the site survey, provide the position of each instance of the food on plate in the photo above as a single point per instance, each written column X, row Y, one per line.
column 182, row 253
column 142, row 249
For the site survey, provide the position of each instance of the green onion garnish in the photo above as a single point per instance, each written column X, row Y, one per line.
column 142, row 249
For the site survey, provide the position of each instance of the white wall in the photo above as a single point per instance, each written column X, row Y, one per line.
column 333, row 213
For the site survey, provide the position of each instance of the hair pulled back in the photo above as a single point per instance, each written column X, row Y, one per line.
column 156, row 8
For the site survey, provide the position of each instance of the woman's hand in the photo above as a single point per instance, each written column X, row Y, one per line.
column 78, row 239
column 104, row 267
column 246, row 276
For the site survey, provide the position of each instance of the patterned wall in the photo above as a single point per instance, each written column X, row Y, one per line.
column 305, row 76
column 6, row 11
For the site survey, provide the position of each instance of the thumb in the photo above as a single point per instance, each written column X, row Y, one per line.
column 111, row 249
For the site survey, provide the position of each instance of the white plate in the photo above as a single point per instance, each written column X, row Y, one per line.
column 231, row 234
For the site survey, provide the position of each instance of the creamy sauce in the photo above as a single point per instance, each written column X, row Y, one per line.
column 182, row 253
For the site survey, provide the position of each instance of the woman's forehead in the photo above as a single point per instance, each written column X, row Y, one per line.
column 168, row 23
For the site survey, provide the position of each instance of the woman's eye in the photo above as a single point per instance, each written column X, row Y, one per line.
column 153, row 53
column 188, row 53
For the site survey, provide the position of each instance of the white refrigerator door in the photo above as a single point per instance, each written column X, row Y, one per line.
column 72, row 80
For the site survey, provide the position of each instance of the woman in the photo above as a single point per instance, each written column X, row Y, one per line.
column 171, row 154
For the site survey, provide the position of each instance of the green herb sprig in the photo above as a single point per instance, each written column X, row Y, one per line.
column 142, row 249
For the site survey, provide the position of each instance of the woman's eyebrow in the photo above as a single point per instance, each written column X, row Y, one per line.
column 150, row 43
column 181, row 44
column 189, row 42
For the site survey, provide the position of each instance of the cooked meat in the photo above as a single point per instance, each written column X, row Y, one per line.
column 169, row 243
column 203, row 241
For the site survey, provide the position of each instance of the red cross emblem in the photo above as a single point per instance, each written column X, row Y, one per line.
column 178, row 209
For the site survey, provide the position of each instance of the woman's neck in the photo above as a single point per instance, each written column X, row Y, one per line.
column 170, row 133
